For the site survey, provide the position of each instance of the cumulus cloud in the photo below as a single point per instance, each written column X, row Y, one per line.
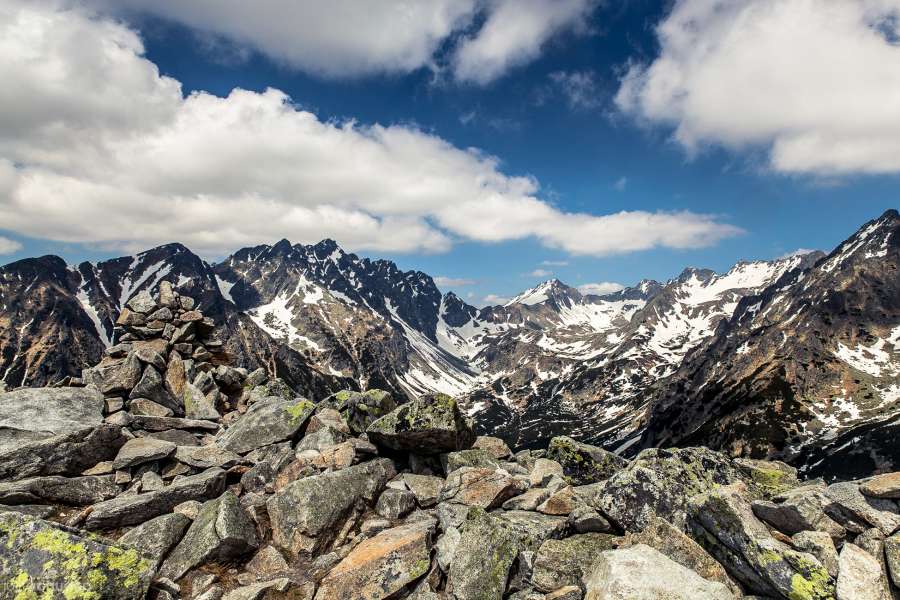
column 600, row 289
column 8, row 246
column 96, row 146
column 482, row 39
column 441, row 281
column 813, row 82
column 494, row 300
column 513, row 34
column 797, row 252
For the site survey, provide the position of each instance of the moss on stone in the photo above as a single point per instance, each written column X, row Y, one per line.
column 299, row 411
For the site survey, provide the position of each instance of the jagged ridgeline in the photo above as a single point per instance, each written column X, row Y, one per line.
column 165, row 472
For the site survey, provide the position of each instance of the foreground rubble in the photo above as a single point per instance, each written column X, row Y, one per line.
column 166, row 473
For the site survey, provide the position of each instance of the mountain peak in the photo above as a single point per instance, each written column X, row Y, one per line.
column 550, row 289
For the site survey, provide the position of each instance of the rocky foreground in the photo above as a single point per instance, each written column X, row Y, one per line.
column 166, row 473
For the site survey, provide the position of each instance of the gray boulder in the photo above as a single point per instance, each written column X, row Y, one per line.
column 645, row 573
column 153, row 387
column 432, row 424
column 582, row 463
column 487, row 488
column 59, row 490
column 802, row 509
column 483, row 557
column 270, row 420
column 361, row 409
column 142, row 302
column 305, row 512
column 222, row 531
column 197, row 405
column 158, row 536
column 115, row 376
column 559, row 563
column 394, row 504
column 853, row 510
column 859, row 575
column 32, row 414
column 65, row 454
column 142, row 450
column 131, row 510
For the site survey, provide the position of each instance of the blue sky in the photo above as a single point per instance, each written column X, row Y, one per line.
column 558, row 116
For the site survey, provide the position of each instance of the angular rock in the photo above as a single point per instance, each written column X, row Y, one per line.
column 176, row 377
column 142, row 406
column 534, row 528
column 892, row 557
column 394, row 504
column 258, row 591
column 820, row 545
column 562, row 502
column 587, row 520
column 165, row 423
column 197, row 405
column 528, row 500
column 305, row 513
column 882, row 486
column 426, row 488
column 32, row 414
column 40, row 559
column 66, row 454
column 675, row 545
column 583, row 463
column 800, row 510
column 361, row 409
column 472, row 457
column 770, row 478
column 131, row 510
column 150, row 356
column 661, row 482
column 158, row 536
column 859, row 575
column 116, row 376
column 643, row 572
column 723, row 522
column 152, row 387
column 484, row 554
column 559, row 563
column 432, row 424
column 381, row 565
column 485, row 488
column 543, row 470
column 494, row 446
column 222, row 531
column 268, row 421
column 58, row 490
column 142, row 302
column 141, row 450
column 849, row 505
column 204, row 457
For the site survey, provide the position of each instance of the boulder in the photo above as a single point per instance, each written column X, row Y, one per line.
column 142, row 406
column 142, row 302
column 675, row 545
column 426, row 488
column 131, row 510
column 381, row 565
column 222, row 531
column 117, row 376
column 432, row 424
column 40, row 559
column 487, row 488
column 176, row 377
column 859, row 575
column 528, row 500
column 260, row 591
column 65, row 454
column 304, row 513
column 142, row 450
column 473, row 457
column 483, row 556
column 204, row 457
column 802, row 509
column 583, row 463
column 361, row 409
column 723, row 522
column 269, row 421
column 152, row 387
column 882, row 486
column 820, row 545
column 585, row 519
column 197, row 405
column 494, row 446
column 849, row 506
column 58, row 490
column 561, row 502
column 533, row 528
column 559, row 563
column 543, row 470
column 166, row 423
column 643, row 572
column 661, row 482
column 769, row 477
column 32, row 414
column 892, row 557
column 395, row 504
column 158, row 536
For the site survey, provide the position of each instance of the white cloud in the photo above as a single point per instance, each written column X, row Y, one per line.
column 797, row 252
column 579, row 88
column 813, row 82
column 555, row 263
column 96, row 146
column 337, row 38
column 514, row 34
column 8, row 246
column 441, row 281
column 600, row 289
column 540, row 273
column 620, row 184
column 494, row 300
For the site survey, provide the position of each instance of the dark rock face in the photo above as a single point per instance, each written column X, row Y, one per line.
column 800, row 369
column 431, row 424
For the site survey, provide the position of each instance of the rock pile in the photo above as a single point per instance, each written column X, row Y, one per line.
column 170, row 474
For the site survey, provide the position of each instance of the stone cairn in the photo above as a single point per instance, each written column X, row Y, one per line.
column 131, row 485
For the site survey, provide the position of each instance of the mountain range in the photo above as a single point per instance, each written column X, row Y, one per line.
column 792, row 358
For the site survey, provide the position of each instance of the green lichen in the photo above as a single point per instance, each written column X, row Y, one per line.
column 817, row 587
column 128, row 564
column 299, row 412
column 419, row 568
column 75, row 591
column 768, row 557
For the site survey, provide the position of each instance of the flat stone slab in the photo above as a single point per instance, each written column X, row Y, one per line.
column 32, row 414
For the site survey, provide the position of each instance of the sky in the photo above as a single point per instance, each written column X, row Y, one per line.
column 492, row 144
